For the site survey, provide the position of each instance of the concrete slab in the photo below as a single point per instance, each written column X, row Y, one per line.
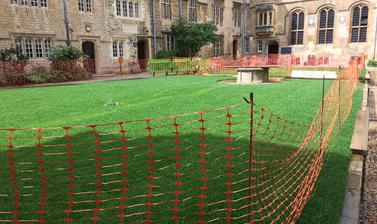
column 359, row 142
column 304, row 74
column 351, row 209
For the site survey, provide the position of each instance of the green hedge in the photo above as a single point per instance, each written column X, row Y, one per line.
column 176, row 65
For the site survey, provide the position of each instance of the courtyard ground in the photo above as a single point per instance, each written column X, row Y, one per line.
column 91, row 103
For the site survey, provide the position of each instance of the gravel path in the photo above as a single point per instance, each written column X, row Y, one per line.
column 368, row 210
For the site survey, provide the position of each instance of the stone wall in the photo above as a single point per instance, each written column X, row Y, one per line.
column 342, row 21
column 102, row 26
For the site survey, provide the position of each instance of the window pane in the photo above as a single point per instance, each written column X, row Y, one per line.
column 38, row 48
column 293, row 38
column 322, row 19
column 294, row 21
column 301, row 21
column 34, row 2
column 265, row 19
column 48, row 46
column 192, row 11
column 322, row 38
column 363, row 34
column 29, row 48
column 300, row 37
column 130, row 9
column 43, row 3
column 355, row 35
column 121, row 54
column 330, row 23
column 24, row 2
column 260, row 46
column 19, row 48
column 88, row 5
column 115, row 49
column 81, row 5
column 163, row 8
column 329, row 37
column 247, row 45
column 137, row 10
column 125, row 9
column 356, row 16
column 364, row 16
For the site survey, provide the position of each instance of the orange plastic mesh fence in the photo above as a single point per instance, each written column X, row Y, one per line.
column 197, row 167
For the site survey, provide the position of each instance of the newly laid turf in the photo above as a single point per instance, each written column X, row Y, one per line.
column 86, row 104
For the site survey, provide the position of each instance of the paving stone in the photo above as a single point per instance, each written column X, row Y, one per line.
column 368, row 207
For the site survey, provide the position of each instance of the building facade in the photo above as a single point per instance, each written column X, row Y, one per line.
column 337, row 27
column 137, row 29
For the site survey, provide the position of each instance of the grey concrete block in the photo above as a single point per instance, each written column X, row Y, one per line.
column 359, row 142
column 351, row 209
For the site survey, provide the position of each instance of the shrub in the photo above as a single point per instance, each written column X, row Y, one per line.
column 191, row 37
column 35, row 79
column 164, row 54
column 40, row 75
column 372, row 63
column 16, row 79
column 65, row 53
column 10, row 54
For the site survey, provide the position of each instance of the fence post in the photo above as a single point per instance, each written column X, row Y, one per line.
column 339, row 80
column 251, row 149
column 322, row 114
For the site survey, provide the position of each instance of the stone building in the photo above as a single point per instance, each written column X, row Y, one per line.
column 105, row 29
column 321, row 27
column 137, row 29
column 226, row 14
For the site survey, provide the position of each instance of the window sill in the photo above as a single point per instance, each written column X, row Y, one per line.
column 86, row 13
column 357, row 43
column 129, row 18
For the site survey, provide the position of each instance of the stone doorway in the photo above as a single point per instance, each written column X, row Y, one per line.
column 235, row 49
column 273, row 47
column 273, row 52
column 142, row 54
column 89, row 50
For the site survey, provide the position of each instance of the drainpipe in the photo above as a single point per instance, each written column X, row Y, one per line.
column 154, row 30
column 375, row 38
column 180, row 9
column 244, row 15
column 66, row 23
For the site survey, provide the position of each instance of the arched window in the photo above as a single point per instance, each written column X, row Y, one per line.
column 326, row 26
column 359, row 24
column 297, row 28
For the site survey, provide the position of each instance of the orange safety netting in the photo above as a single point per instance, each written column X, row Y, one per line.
column 235, row 164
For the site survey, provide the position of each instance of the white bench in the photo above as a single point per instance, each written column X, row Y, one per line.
column 305, row 74
column 252, row 75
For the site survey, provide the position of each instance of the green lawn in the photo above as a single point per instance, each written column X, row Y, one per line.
column 84, row 104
